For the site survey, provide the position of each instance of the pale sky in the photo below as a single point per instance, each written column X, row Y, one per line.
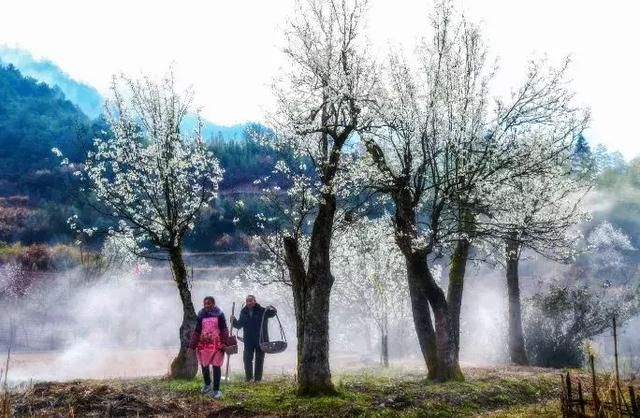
column 229, row 50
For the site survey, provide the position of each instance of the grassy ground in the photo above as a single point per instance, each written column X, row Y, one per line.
column 508, row 392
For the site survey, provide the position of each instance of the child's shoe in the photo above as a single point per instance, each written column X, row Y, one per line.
column 206, row 389
column 217, row 394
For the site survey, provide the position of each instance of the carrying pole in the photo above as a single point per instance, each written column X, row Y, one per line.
column 226, row 373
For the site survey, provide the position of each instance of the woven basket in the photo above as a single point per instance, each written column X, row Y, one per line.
column 272, row 347
column 231, row 346
column 231, row 349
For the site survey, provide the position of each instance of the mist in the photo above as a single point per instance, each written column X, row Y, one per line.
column 122, row 325
column 119, row 325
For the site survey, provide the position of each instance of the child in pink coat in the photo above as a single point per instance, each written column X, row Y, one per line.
column 208, row 340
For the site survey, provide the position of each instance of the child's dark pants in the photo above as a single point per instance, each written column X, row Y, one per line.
column 216, row 376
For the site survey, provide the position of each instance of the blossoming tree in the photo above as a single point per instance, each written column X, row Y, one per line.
column 154, row 180
column 370, row 276
column 440, row 150
column 543, row 218
column 323, row 99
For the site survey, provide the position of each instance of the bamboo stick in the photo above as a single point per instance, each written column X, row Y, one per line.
column 594, row 386
column 580, row 397
column 615, row 352
column 613, row 396
column 563, row 397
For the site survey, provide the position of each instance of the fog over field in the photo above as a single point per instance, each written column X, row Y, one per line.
column 124, row 325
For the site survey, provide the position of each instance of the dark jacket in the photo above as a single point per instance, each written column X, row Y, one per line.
column 222, row 324
column 250, row 321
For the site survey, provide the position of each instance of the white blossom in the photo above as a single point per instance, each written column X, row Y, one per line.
column 147, row 172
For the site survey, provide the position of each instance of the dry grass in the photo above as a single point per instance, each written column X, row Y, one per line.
column 549, row 409
column 507, row 392
column 93, row 398
column 5, row 405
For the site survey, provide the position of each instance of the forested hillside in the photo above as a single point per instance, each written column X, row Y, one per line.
column 82, row 95
column 35, row 117
column 89, row 99
column 38, row 194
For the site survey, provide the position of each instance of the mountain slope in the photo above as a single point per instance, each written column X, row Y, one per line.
column 84, row 96
column 89, row 100
column 34, row 118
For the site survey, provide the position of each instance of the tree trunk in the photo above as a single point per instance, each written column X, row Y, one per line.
column 185, row 365
column 448, row 366
column 517, row 350
column 297, row 275
column 439, row 351
column 438, row 347
column 367, row 337
column 312, row 328
column 384, row 349
column 456, row 286
column 312, row 291
column 422, row 314
column 299, row 302
column 314, row 372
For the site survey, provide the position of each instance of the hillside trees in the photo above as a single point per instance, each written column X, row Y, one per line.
column 34, row 118
column 154, row 180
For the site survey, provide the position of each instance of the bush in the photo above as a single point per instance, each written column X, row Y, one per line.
column 35, row 257
column 9, row 252
column 558, row 322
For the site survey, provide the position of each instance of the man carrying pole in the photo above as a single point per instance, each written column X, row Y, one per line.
column 250, row 321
